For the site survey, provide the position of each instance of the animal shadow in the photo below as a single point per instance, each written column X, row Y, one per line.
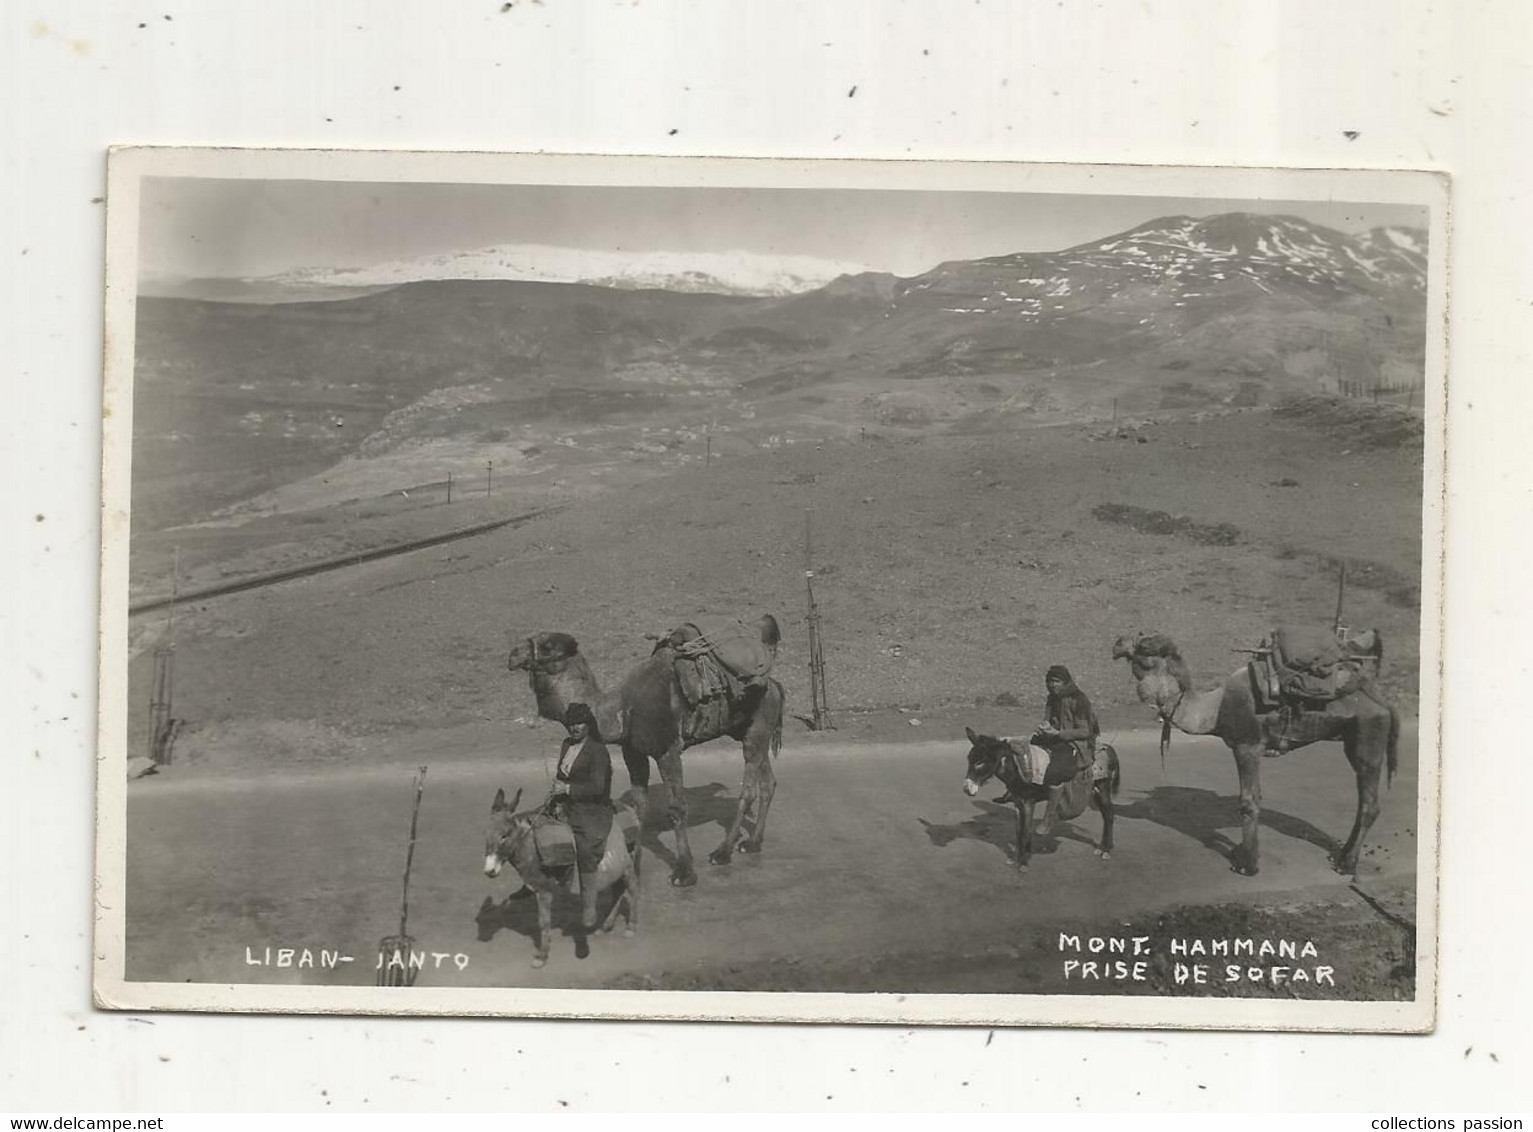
column 997, row 825
column 516, row 913
column 711, row 804
column 1198, row 814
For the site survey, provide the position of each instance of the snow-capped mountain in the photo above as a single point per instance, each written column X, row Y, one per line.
column 1179, row 260
column 727, row 273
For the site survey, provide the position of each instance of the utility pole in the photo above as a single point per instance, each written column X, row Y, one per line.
column 162, row 726
column 819, row 701
column 1341, row 595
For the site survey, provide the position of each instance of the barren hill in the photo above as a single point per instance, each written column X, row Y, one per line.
column 951, row 572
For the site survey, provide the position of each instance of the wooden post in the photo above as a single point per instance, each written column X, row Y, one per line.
column 162, row 725
column 1341, row 596
column 819, row 701
column 489, row 468
column 1114, row 408
column 449, row 487
column 708, row 459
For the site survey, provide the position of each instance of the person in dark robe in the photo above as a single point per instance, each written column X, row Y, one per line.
column 1068, row 717
column 1070, row 722
column 583, row 790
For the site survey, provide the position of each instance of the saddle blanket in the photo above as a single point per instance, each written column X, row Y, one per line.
column 1039, row 764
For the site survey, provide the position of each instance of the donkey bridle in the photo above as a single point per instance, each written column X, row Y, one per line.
column 512, row 839
column 1008, row 752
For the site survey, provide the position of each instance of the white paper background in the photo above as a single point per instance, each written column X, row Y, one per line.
column 1437, row 85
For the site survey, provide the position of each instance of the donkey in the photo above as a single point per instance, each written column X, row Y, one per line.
column 1027, row 785
column 509, row 840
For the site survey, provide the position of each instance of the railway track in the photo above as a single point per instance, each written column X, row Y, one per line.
column 275, row 577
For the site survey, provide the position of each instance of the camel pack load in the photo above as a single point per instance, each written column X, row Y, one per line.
column 717, row 662
column 1296, row 666
column 1311, row 666
column 721, row 657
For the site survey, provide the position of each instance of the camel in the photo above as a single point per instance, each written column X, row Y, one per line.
column 644, row 716
column 1367, row 727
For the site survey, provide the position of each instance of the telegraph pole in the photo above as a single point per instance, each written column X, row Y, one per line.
column 162, row 725
column 819, row 701
column 1341, row 597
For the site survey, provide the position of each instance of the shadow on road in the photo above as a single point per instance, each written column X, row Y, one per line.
column 1190, row 811
column 712, row 804
column 997, row 825
column 1199, row 814
column 516, row 913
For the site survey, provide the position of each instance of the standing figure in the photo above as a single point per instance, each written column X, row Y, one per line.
column 583, row 790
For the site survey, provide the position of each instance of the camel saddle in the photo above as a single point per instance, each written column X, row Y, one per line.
column 719, row 657
column 1306, row 667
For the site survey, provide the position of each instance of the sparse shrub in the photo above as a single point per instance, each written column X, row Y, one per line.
column 1163, row 523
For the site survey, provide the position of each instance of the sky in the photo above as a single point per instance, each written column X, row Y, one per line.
column 209, row 228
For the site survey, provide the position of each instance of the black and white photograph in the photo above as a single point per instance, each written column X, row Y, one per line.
column 771, row 590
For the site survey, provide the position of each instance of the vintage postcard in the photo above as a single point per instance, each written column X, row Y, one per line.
column 771, row 590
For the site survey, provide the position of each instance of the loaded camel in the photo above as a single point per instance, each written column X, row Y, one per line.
column 644, row 716
column 1367, row 728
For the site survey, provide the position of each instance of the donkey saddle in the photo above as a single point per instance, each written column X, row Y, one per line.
column 555, row 839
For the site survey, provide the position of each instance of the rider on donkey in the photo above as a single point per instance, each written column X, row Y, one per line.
column 1070, row 721
column 583, row 790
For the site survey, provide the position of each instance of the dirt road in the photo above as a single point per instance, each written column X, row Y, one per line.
column 878, row 874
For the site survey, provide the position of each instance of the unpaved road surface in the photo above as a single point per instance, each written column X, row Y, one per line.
column 878, row 873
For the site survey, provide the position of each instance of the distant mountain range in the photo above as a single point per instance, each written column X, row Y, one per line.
column 721, row 273
column 1181, row 313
